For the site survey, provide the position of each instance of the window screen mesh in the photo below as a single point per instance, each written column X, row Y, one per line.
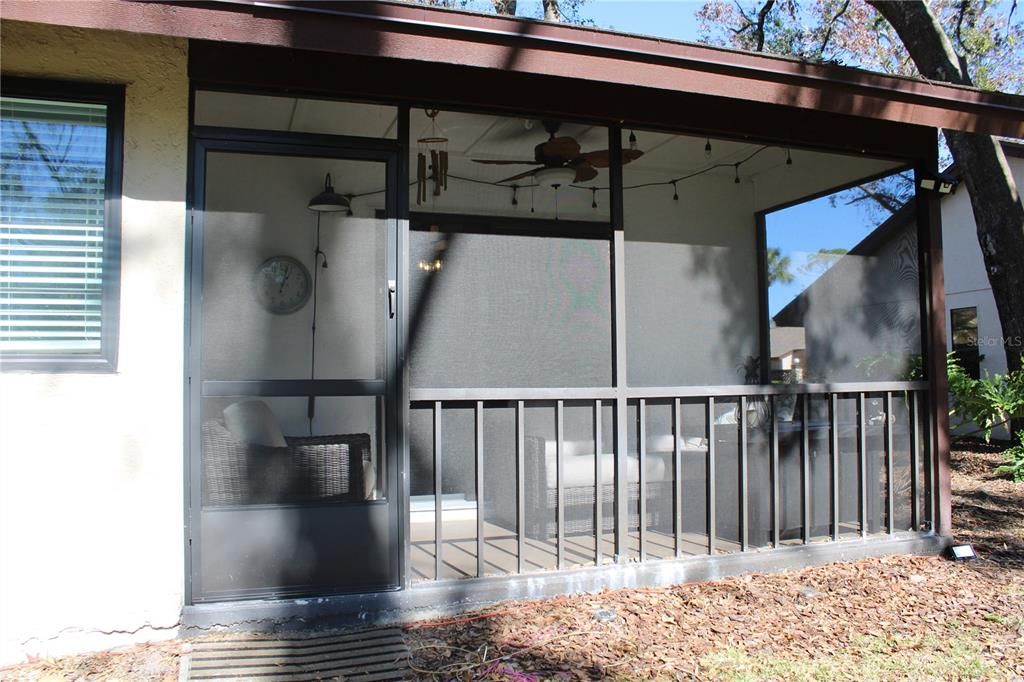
column 502, row 310
column 53, row 186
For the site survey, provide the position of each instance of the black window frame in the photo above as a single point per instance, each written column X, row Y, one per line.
column 113, row 97
column 968, row 355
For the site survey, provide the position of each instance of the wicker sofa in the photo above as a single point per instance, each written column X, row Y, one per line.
column 316, row 469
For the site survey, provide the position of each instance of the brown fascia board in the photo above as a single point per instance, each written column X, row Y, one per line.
column 414, row 32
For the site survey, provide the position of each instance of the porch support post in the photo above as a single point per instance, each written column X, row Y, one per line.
column 933, row 344
column 619, row 342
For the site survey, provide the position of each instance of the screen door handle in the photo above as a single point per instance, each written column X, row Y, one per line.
column 392, row 293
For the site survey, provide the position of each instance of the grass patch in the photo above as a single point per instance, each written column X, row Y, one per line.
column 869, row 657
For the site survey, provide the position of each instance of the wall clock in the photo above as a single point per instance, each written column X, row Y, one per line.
column 282, row 285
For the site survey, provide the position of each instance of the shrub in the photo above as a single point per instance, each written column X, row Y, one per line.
column 1014, row 458
column 988, row 402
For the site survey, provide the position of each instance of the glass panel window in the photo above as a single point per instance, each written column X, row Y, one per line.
column 58, row 236
column 964, row 323
column 843, row 291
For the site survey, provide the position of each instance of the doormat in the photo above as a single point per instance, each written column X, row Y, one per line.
column 380, row 654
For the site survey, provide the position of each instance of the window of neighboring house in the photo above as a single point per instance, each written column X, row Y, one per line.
column 60, row 190
column 964, row 322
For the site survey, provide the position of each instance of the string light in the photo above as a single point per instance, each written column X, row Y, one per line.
column 632, row 140
column 736, row 167
column 349, row 197
column 789, row 158
column 515, row 191
column 675, row 191
column 593, row 195
column 707, row 148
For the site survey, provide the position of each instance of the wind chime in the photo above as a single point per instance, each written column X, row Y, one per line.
column 436, row 145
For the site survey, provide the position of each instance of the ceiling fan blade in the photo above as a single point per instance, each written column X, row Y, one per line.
column 565, row 148
column 601, row 158
column 505, row 162
column 522, row 175
column 585, row 172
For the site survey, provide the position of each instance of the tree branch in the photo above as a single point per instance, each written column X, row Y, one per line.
column 831, row 28
column 762, row 15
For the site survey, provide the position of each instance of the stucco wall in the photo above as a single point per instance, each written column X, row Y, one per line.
column 91, row 465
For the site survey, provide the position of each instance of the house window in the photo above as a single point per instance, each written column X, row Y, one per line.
column 59, row 224
column 964, row 322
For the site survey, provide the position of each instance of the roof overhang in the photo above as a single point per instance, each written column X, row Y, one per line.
column 428, row 36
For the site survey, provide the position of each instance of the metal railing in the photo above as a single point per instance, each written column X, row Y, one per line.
column 721, row 442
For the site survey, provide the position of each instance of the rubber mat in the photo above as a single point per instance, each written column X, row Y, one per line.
column 362, row 656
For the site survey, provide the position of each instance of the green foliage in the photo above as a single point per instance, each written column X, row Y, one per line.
column 1014, row 458
column 988, row 402
column 779, row 267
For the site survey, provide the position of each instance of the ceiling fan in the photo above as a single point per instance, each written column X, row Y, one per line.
column 565, row 152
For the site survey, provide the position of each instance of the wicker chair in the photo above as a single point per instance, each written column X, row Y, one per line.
column 316, row 469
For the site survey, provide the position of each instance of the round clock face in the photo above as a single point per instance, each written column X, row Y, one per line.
column 282, row 284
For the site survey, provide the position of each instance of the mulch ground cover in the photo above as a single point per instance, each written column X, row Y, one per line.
column 889, row 618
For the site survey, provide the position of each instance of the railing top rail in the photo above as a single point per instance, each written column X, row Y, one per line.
column 656, row 392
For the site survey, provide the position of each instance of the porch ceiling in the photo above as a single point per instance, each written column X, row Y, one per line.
column 421, row 34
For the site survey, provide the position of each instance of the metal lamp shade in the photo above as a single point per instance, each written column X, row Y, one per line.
column 328, row 201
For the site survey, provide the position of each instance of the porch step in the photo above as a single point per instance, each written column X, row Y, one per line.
column 362, row 656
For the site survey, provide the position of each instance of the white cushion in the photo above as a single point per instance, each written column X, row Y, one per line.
column 369, row 480
column 252, row 421
column 578, row 470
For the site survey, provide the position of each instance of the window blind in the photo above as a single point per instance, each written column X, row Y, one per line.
column 52, row 190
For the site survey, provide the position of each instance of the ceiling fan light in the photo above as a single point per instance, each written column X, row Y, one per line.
column 555, row 177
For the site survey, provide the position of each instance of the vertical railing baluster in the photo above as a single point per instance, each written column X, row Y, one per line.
column 915, row 462
column 479, row 488
column 559, row 483
column 833, row 418
column 805, row 465
column 438, row 508
column 520, row 486
column 929, row 470
column 889, row 506
column 743, row 497
column 710, row 495
column 642, row 456
column 774, row 454
column 862, row 453
column 598, row 484
column 677, row 467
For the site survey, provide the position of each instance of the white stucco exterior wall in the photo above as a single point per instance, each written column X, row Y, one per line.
column 91, row 465
column 966, row 280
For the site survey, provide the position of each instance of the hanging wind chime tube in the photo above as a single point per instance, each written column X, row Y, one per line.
column 436, row 145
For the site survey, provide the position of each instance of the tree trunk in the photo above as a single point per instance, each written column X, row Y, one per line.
column 997, row 207
column 507, row 7
column 551, row 11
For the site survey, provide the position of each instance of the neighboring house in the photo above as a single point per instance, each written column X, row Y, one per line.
column 972, row 321
column 332, row 312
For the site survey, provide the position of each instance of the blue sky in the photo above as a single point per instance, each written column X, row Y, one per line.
column 662, row 18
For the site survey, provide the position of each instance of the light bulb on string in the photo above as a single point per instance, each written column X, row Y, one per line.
column 789, row 157
column 515, row 191
column 707, row 148
column 593, row 196
column 349, row 212
column 736, row 168
column 632, row 140
column 675, row 191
